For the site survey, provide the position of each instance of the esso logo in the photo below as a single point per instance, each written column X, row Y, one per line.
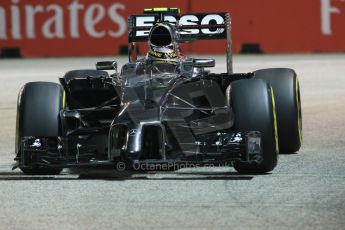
column 185, row 20
column 194, row 20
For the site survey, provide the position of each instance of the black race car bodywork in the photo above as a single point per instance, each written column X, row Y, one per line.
column 146, row 116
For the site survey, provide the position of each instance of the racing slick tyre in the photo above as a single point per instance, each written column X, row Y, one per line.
column 252, row 102
column 39, row 105
column 288, row 105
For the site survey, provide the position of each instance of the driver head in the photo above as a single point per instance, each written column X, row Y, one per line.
column 162, row 43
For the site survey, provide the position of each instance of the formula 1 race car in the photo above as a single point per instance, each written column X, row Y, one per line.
column 164, row 109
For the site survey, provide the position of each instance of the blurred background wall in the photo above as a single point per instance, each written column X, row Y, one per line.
column 41, row 28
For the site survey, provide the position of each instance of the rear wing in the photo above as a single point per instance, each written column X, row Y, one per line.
column 189, row 27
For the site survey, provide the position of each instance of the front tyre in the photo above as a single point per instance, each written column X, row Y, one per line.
column 39, row 105
column 252, row 102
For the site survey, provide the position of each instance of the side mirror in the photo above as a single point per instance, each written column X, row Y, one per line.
column 201, row 63
column 106, row 65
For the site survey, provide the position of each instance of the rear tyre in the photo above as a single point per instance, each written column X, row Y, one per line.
column 39, row 105
column 288, row 105
column 252, row 102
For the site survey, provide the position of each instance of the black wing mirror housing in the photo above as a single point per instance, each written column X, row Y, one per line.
column 106, row 65
column 204, row 63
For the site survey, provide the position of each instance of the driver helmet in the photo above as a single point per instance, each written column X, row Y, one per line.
column 163, row 49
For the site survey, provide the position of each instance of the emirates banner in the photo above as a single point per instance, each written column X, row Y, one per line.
column 99, row 27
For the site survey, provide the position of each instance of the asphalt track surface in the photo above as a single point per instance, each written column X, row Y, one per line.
column 305, row 191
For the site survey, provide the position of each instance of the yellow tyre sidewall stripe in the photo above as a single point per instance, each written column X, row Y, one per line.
column 275, row 121
column 63, row 99
column 298, row 111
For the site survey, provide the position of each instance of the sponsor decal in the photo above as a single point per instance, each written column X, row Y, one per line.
column 39, row 28
column 20, row 20
column 171, row 55
column 132, row 132
column 155, row 54
column 326, row 11
column 147, row 21
column 162, row 55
